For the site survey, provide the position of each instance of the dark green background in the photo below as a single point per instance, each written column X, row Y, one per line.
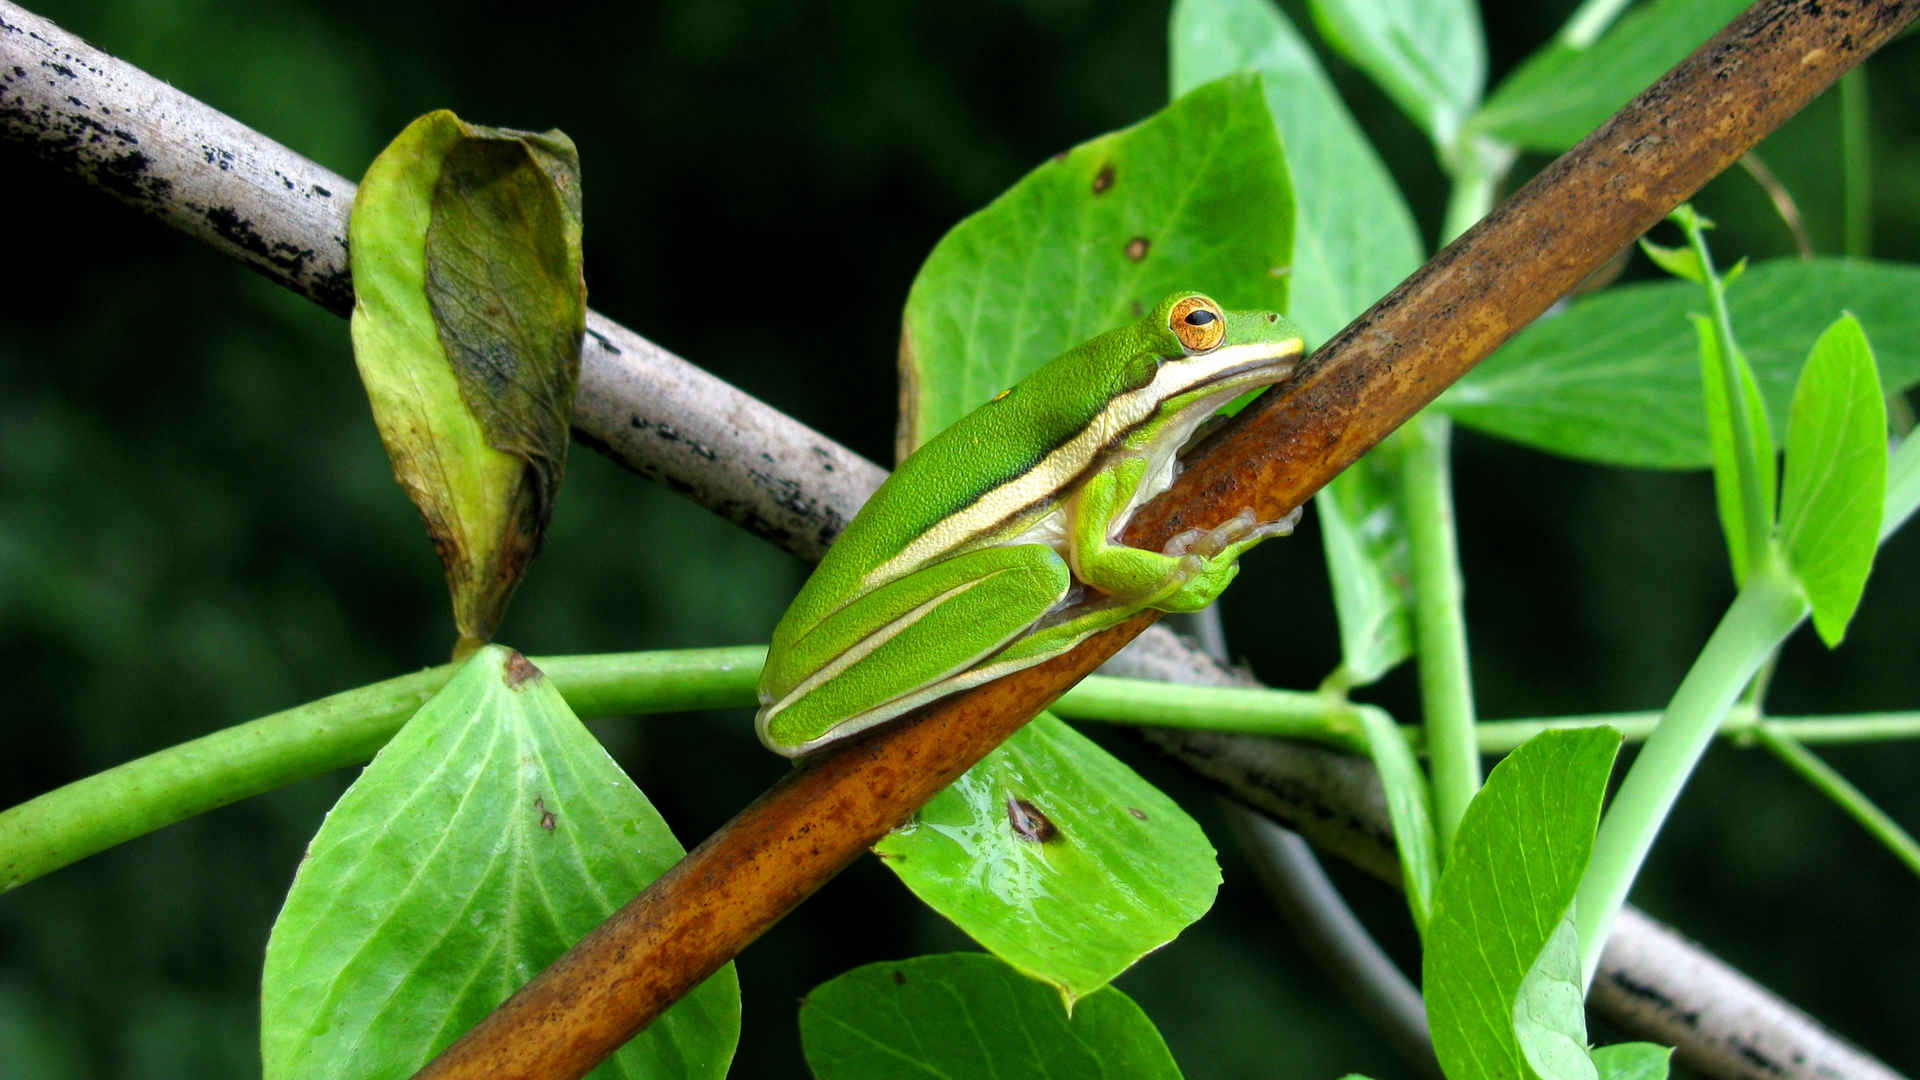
column 197, row 525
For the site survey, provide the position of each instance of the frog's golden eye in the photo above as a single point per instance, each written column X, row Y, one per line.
column 1197, row 322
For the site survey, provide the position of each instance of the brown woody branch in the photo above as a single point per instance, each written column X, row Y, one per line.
column 1379, row 371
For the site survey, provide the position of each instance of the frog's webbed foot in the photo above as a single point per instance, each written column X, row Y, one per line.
column 1206, row 560
column 1237, row 533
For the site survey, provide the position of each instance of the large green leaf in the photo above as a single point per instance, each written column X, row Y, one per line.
column 1836, row 479
column 1058, row 858
column 967, row 1015
column 1614, row 378
column 1428, row 55
column 1562, row 92
column 1353, row 236
column 1507, row 889
column 1195, row 197
column 490, row 834
column 469, row 308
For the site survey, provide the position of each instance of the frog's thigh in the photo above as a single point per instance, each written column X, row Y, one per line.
column 1034, row 648
column 979, row 601
column 1051, row 641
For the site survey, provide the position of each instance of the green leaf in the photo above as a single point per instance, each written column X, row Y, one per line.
column 1409, row 807
column 1726, row 465
column 1836, row 475
column 1549, row 1015
column 1057, row 858
column 1353, row 236
column 1509, row 884
column 468, row 313
column 1681, row 262
column 490, row 834
column 504, row 282
column 1196, row 197
column 963, row 1014
column 1428, row 55
column 1615, row 378
column 1369, row 564
column 1562, row 92
column 1632, row 1061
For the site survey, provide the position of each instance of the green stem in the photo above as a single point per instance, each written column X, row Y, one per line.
column 1742, row 722
column 1757, row 515
column 1762, row 615
column 1851, row 799
column 1471, row 196
column 1856, row 167
column 1446, row 684
column 130, row 800
column 1474, row 165
column 148, row 793
column 1317, row 717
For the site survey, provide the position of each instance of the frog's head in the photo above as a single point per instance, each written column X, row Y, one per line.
column 1202, row 355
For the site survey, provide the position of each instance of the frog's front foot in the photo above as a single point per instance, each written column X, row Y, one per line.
column 1239, row 532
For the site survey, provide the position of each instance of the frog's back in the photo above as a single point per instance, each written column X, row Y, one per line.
column 965, row 483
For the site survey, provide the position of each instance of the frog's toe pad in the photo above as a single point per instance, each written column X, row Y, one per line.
column 1242, row 527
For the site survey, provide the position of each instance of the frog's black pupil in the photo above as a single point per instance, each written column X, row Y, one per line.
column 1200, row 317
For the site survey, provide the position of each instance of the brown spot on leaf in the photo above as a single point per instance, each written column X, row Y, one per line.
column 899, row 977
column 1028, row 822
column 1137, row 248
column 1104, row 180
column 547, row 820
column 519, row 670
column 1137, row 812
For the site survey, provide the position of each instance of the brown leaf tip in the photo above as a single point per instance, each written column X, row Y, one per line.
column 520, row 670
column 1028, row 822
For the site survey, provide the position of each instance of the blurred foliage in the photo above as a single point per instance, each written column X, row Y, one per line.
column 197, row 524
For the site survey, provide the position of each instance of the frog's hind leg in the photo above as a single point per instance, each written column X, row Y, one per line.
column 1059, row 632
column 871, row 670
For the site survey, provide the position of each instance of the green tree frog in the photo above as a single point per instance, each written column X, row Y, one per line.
column 995, row 546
